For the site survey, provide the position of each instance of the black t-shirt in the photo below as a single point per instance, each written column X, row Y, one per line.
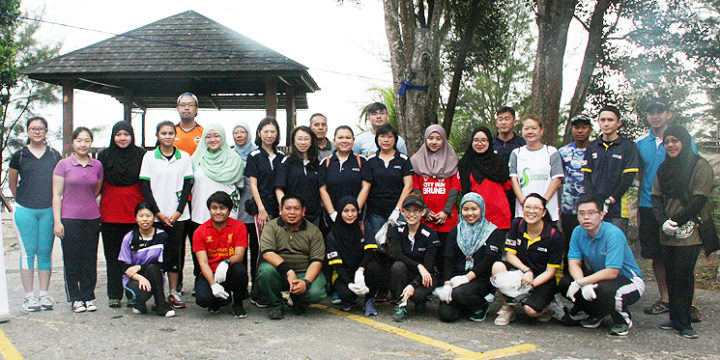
column 300, row 180
column 386, row 183
column 483, row 258
column 341, row 180
column 504, row 148
column 35, row 177
column 546, row 250
column 412, row 252
column 259, row 166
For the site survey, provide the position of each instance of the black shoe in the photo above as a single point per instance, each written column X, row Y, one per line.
column 567, row 320
column 239, row 311
column 140, row 308
column 694, row 315
column 299, row 309
column 480, row 314
column 621, row 329
column 687, row 333
column 275, row 314
column 260, row 303
column 592, row 322
column 400, row 314
column 668, row 325
column 213, row 309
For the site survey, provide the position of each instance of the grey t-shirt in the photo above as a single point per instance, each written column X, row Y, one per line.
column 35, row 184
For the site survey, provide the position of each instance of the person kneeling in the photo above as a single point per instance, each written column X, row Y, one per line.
column 293, row 251
column 219, row 245
column 614, row 281
column 472, row 247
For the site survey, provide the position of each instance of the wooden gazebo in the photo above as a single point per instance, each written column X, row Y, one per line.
column 147, row 68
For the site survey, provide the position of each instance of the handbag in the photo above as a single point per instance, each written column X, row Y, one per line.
column 709, row 236
column 251, row 207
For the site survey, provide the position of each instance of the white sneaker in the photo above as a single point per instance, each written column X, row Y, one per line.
column 505, row 315
column 90, row 306
column 545, row 316
column 78, row 307
column 170, row 313
column 47, row 302
column 31, row 304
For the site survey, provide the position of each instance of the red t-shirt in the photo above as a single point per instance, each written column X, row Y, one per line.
column 219, row 244
column 497, row 208
column 435, row 194
column 117, row 203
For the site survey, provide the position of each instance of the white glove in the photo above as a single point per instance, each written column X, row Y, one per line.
column 394, row 217
column 444, row 293
column 360, row 278
column 459, row 280
column 572, row 290
column 219, row 291
column 358, row 290
column 606, row 205
column 333, row 216
column 588, row 292
column 221, row 272
column 669, row 227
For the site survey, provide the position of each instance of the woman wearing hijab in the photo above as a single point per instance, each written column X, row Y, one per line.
column 349, row 252
column 436, row 179
column 486, row 174
column 120, row 194
column 472, row 248
column 680, row 201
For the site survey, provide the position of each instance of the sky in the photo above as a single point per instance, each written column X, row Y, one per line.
column 344, row 46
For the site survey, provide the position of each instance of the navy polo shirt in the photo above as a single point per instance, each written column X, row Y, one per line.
column 425, row 238
column 504, row 148
column 546, row 250
column 493, row 248
column 607, row 163
column 298, row 179
column 386, row 182
column 259, row 166
column 341, row 179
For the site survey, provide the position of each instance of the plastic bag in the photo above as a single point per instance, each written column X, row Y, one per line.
column 509, row 284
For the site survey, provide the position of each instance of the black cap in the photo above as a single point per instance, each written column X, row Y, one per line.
column 413, row 200
column 656, row 107
column 580, row 119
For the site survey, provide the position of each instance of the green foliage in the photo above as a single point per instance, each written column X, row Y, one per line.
column 8, row 67
column 381, row 95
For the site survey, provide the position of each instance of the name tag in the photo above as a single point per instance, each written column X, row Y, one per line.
column 542, row 249
column 421, row 249
column 331, row 255
column 493, row 248
column 617, row 156
column 425, row 232
column 355, row 169
column 397, row 166
column 510, row 242
column 594, row 155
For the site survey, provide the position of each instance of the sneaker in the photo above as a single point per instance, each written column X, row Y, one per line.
column 90, row 306
column 657, row 308
column 176, row 301
column 114, row 303
column 275, row 314
column 592, row 322
column 136, row 311
column 213, row 309
column 31, row 304
column 400, row 314
column 556, row 309
column 479, row 315
column 545, row 316
column 239, row 311
column 335, row 299
column 47, row 302
column 345, row 307
column 131, row 303
column 668, row 325
column 505, row 315
column 694, row 315
column 140, row 308
column 621, row 329
column 170, row 313
column 78, row 307
column 688, row 333
column 568, row 320
column 260, row 303
column 370, row 308
column 420, row 307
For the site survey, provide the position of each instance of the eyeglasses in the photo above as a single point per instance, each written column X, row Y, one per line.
column 481, row 141
column 37, row 129
column 213, row 137
column 533, row 208
column 184, row 104
column 588, row 213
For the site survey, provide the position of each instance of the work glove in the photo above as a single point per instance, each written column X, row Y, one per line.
column 360, row 278
column 572, row 290
column 459, row 280
column 394, row 217
column 588, row 292
column 333, row 216
column 444, row 293
column 669, row 227
column 358, row 290
column 219, row 291
column 221, row 272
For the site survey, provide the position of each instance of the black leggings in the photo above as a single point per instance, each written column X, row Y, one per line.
column 112, row 236
column 153, row 273
column 401, row 276
column 372, row 281
column 235, row 284
column 466, row 298
column 80, row 258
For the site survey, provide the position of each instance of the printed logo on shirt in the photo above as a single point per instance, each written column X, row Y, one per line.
column 617, row 156
column 425, row 232
column 434, row 188
column 230, row 238
column 421, row 249
column 510, row 242
column 494, row 248
column 594, row 155
column 401, row 229
column 542, row 249
column 331, row 255
column 355, row 169
column 209, row 239
column 196, row 140
column 397, row 166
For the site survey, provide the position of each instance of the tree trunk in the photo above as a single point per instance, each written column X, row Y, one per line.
column 590, row 60
column 553, row 18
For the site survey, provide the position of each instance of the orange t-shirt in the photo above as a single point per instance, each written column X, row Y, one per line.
column 188, row 141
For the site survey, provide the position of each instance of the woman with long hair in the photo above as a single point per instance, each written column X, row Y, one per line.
column 298, row 173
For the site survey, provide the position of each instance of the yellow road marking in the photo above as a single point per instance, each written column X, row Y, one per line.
column 462, row 353
column 7, row 350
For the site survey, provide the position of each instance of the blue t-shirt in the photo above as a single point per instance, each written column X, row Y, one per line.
column 609, row 249
column 574, row 182
column 365, row 144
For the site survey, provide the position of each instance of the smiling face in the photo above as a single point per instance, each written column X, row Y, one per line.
column 471, row 212
column 531, row 131
column 187, row 108
column 82, row 143
column 344, row 140
column 302, row 141
column 145, row 219
column 480, row 142
column 166, row 135
column 268, row 134
column 36, row 131
column 413, row 214
column 673, row 146
column 349, row 214
column 378, row 118
column 386, row 141
column 240, row 136
column 434, row 141
column 213, row 140
column 292, row 212
column 122, row 139
column 533, row 210
column 581, row 131
column 219, row 213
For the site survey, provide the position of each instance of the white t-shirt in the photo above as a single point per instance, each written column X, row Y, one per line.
column 166, row 179
column 535, row 170
column 203, row 187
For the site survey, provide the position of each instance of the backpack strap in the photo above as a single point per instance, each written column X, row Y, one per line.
column 357, row 156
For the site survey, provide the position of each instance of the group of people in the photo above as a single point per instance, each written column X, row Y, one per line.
column 357, row 218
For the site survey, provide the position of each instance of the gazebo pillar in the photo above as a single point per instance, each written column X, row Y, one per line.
column 67, row 116
column 290, row 113
column 271, row 99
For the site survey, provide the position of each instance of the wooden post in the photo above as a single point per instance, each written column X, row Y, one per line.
column 67, row 117
column 143, row 128
column 271, row 100
column 127, row 105
column 290, row 113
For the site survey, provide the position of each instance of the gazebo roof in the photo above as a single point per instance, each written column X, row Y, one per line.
column 153, row 64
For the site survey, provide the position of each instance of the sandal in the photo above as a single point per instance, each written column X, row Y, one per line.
column 657, row 308
column 114, row 303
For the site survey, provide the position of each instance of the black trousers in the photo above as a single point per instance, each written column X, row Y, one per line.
column 613, row 297
column 153, row 273
column 235, row 284
column 372, row 281
column 112, row 236
column 401, row 276
column 680, row 277
column 80, row 247
column 188, row 232
column 176, row 239
column 568, row 222
column 466, row 298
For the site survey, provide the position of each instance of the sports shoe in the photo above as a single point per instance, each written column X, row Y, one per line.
column 276, row 314
column 505, row 315
column 114, row 303
column 170, row 313
column 78, row 307
column 668, row 325
column 31, row 304
column 213, row 309
column 657, row 308
column 694, row 315
column 370, row 308
column 176, row 301
column 621, row 329
column 47, row 302
column 335, row 299
column 90, row 306
column 400, row 314
column 136, row 311
column 345, row 307
column 592, row 322
column 688, row 333
column 480, row 314
column 545, row 316
column 140, row 308
column 260, row 303
column 239, row 311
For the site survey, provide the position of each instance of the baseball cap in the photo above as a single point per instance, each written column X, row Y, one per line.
column 655, row 107
column 413, row 200
column 580, row 119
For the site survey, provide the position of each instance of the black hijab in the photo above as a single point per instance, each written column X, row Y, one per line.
column 674, row 173
column 121, row 167
column 348, row 237
column 487, row 165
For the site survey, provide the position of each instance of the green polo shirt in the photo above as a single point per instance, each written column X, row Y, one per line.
column 298, row 248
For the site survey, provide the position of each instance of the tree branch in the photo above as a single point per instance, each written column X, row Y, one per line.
column 584, row 25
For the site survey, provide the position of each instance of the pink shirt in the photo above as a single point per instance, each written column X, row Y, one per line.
column 79, row 201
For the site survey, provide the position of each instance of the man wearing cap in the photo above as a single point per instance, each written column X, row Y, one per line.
column 187, row 131
column 572, row 156
column 652, row 153
column 610, row 165
column 378, row 116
